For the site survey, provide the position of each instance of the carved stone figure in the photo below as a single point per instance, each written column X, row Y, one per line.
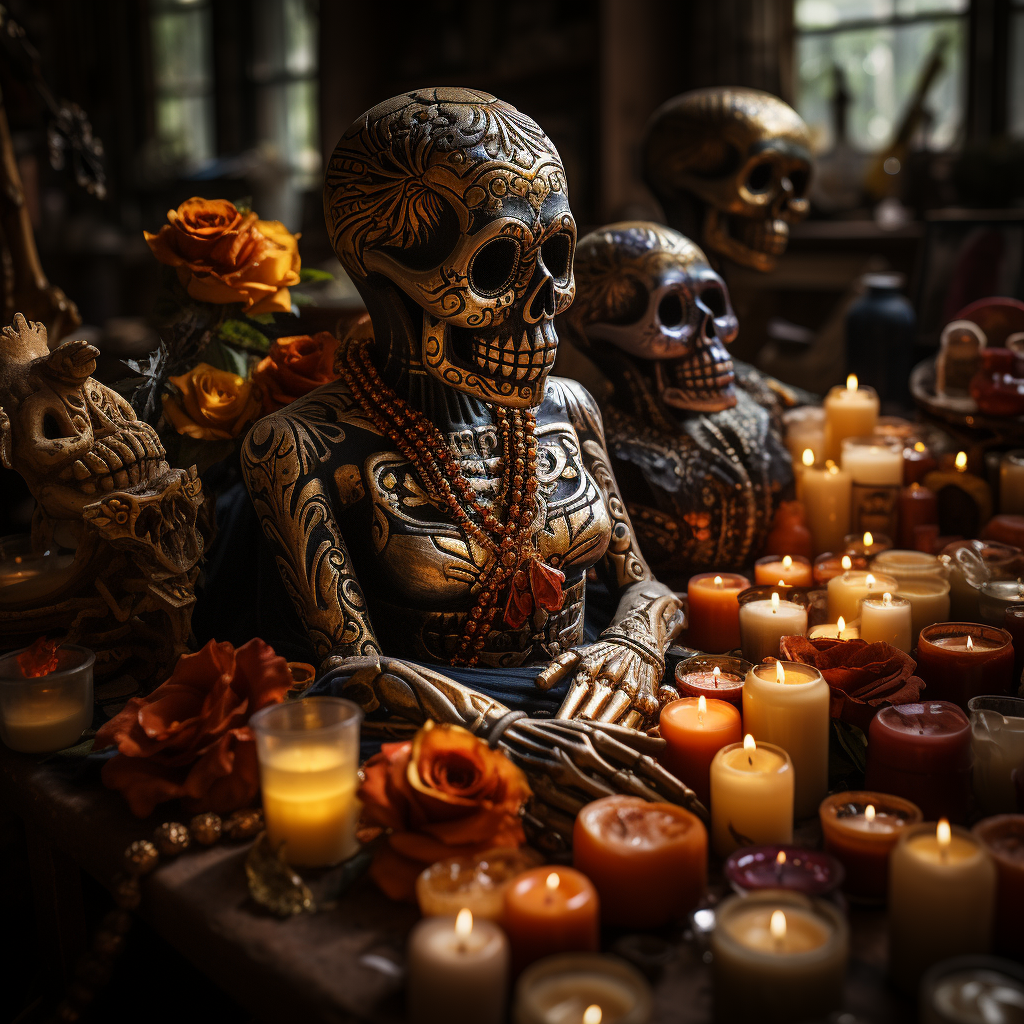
column 445, row 498
column 697, row 448
column 104, row 489
column 731, row 167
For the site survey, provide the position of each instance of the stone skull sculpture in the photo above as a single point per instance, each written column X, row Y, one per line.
column 482, row 251
column 731, row 166
column 104, row 489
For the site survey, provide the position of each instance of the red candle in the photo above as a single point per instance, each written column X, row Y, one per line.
column 1003, row 837
column 714, row 676
column 1006, row 529
column 649, row 861
column 696, row 729
column 917, row 462
column 926, row 538
column 961, row 660
column 918, row 507
column 713, row 614
column 828, row 566
column 922, row 752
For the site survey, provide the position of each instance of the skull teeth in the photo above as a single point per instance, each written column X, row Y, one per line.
column 527, row 358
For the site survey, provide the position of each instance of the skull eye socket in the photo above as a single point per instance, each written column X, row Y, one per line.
column 556, row 253
column 714, row 300
column 760, row 177
column 799, row 179
column 670, row 310
column 51, row 427
column 494, row 265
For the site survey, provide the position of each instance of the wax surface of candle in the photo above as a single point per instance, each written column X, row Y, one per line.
column 695, row 733
column 802, row 932
column 565, row 1000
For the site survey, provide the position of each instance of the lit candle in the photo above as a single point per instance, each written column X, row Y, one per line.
column 778, row 956
column 918, row 461
column 751, row 796
column 929, row 602
column 1011, row 482
column 841, row 630
column 714, row 676
column 849, row 412
column 828, row 566
column 997, row 742
column 713, row 611
column 961, row 660
column 457, row 971
column 868, row 544
column 957, row 516
column 846, row 592
column 756, row 868
column 789, row 571
column 696, row 729
column 648, row 861
column 861, row 828
column 308, row 756
column 887, row 620
column 942, row 887
column 763, row 624
column 550, row 910
column 826, row 497
column 476, row 883
column 1003, row 837
column 787, row 704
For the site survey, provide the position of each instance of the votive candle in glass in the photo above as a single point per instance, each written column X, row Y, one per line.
column 792, row 570
column 886, row 619
column 828, row 566
column 764, row 623
column 1003, row 837
column 1011, row 482
column 794, row 868
column 961, row 660
column 714, row 676
column 846, row 592
column 713, row 611
column 841, row 630
column 997, row 741
column 868, row 544
column 849, row 412
column 308, row 755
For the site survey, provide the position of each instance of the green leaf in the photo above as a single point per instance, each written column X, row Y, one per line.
column 243, row 335
column 224, row 357
column 261, row 318
column 312, row 275
column 299, row 299
column 244, row 205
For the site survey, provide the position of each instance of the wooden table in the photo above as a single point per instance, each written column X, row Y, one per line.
column 343, row 964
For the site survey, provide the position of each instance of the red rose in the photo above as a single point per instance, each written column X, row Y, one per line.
column 444, row 793
column 190, row 739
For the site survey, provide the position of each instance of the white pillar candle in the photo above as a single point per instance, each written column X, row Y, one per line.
column 841, row 630
column 458, row 971
column 826, row 497
column 1011, row 482
column 764, row 623
column 997, row 742
column 886, row 619
column 873, row 461
column 846, row 592
column 786, row 703
column 849, row 412
column 751, row 796
column 942, row 887
column 929, row 602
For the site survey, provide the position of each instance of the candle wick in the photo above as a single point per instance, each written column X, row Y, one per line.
column 750, row 761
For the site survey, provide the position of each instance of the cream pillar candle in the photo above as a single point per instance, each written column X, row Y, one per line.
column 908, row 564
column 929, row 602
column 942, row 886
column 1011, row 482
column 849, row 412
column 826, row 497
column 458, row 971
column 873, row 461
column 786, row 703
column 841, row 630
column 887, row 619
column 846, row 592
column 764, row 623
column 805, row 429
column 751, row 796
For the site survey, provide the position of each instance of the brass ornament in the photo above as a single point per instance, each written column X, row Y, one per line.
column 243, row 824
column 141, row 857
column 171, row 838
column 205, row 828
column 731, row 166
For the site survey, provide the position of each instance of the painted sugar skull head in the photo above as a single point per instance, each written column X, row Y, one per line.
column 733, row 165
column 646, row 291
column 458, row 201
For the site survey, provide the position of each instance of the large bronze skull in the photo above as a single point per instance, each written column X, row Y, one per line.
column 458, row 202
column 731, row 166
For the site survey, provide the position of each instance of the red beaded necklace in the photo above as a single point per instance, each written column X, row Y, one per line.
column 515, row 563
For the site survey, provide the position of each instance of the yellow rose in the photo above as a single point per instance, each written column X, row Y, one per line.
column 224, row 256
column 213, row 404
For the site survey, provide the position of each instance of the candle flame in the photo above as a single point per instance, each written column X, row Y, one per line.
column 748, row 742
column 787, row 561
column 718, row 581
column 808, row 458
column 851, row 382
column 919, row 446
column 840, row 625
column 846, row 563
column 780, row 672
column 781, row 858
column 552, row 881
column 464, row 923
column 592, row 1014
column 870, row 581
column 775, row 603
column 716, row 672
column 868, row 539
column 943, row 834
column 970, row 644
column 782, row 583
column 702, row 705
column 961, row 461
column 869, row 813
column 887, row 599
column 833, row 469
column 778, row 926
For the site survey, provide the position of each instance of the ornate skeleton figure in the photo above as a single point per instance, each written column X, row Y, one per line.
column 730, row 166
column 694, row 446
column 103, row 488
column 444, row 500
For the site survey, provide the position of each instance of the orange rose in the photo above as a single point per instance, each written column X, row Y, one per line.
column 294, row 367
column 225, row 256
column 444, row 793
column 190, row 739
column 213, row 404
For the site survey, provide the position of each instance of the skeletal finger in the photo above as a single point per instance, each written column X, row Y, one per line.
column 557, row 670
column 599, row 696
column 574, row 698
column 617, row 705
column 632, row 719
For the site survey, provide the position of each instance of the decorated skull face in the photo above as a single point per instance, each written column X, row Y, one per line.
column 650, row 293
column 733, row 164
column 459, row 201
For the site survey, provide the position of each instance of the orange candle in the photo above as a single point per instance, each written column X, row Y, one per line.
column 793, row 570
column 550, row 910
column 649, row 861
column 714, row 611
column 696, row 729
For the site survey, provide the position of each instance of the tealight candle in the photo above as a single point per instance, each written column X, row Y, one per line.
column 929, row 602
column 973, row 990
column 648, row 861
column 1003, row 837
column 841, row 630
column 961, row 660
column 476, row 883
column 308, row 754
column 1011, row 482
column 713, row 611
column 457, row 971
column 788, row 570
column 868, row 544
column 763, row 624
column 778, row 957
column 996, row 596
column 751, row 796
column 942, row 886
column 696, row 729
column 886, row 619
column 714, row 676
column 828, row 566
column 826, row 497
column 846, row 592
column 550, row 910
column 787, row 704
column 997, row 741
column 849, row 412
column 755, row 868
column 860, row 828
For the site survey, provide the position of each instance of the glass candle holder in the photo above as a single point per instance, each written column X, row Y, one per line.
column 696, row 677
column 308, row 754
column 996, row 596
column 868, row 544
column 961, row 660
column 756, row 868
column 829, row 565
column 972, row 563
column 41, row 714
column 997, row 742
column 875, row 465
column 23, row 567
column 972, row 988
